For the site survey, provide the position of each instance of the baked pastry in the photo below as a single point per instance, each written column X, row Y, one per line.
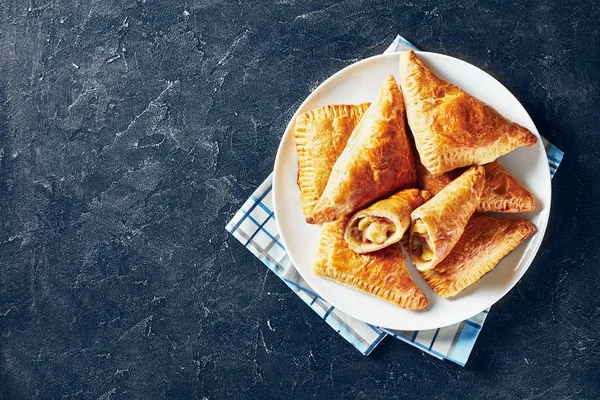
column 383, row 223
column 503, row 192
column 321, row 136
column 434, row 183
column 437, row 225
column 382, row 273
column 376, row 162
column 451, row 128
column 485, row 241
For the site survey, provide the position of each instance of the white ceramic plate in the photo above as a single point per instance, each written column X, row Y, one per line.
column 359, row 83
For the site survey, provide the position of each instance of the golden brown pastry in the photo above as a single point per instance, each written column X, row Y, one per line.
column 484, row 243
column 321, row 136
column 383, row 223
column 438, row 224
column 451, row 128
column 382, row 273
column 503, row 192
column 376, row 162
column 434, row 183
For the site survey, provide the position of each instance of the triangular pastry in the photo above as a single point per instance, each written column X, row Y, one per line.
column 382, row 273
column 376, row 162
column 383, row 223
column 485, row 241
column 437, row 225
column 451, row 128
column 321, row 136
column 503, row 192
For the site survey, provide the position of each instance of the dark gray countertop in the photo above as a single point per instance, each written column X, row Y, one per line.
column 131, row 131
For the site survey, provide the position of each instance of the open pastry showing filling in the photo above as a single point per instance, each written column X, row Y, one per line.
column 375, row 229
column 437, row 225
column 383, row 223
column 381, row 273
column 421, row 242
column 485, row 241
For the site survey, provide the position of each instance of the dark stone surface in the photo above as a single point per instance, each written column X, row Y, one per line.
column 131, row 131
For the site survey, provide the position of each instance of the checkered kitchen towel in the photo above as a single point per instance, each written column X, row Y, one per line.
column 255, row 227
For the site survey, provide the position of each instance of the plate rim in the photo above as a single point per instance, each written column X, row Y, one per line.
column 526, row 261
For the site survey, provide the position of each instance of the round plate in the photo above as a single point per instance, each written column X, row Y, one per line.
column 359, row 83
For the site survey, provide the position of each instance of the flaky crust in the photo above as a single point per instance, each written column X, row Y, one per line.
column 451, row 128
column 485, row 241
column 396, row 208
column 432, row 183
column 376, row 162
column 447, row 213
column 503, row 192
column 382, row 273
column 321, row 136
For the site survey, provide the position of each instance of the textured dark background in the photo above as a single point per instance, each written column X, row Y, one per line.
column 131, row 131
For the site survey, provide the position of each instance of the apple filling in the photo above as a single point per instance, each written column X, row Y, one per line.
column 420, row 241
column 375, row 229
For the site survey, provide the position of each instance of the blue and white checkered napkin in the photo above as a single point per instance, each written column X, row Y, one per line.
column 254, row 226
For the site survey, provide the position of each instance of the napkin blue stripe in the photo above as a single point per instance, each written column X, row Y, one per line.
column 327, row 313
column 434, row 337
column 406, row 43
column 427, row 349
column 261, row 205
column 365, row 347
column 473, row 324
column 464, row 345
column 304, row 289
column 381, row 336
column 258, row 200
column 376, row 342
column 375, row 328
column 260, row 227
column 252, row 228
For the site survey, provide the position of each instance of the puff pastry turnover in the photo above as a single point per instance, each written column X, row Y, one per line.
column 382, row 273
column 434, row 183
column 451, row 128
column 383, row 223
column 321, row 136
column 376, row 162
column 484, row 243
column 503, row 192
column 438, row 224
